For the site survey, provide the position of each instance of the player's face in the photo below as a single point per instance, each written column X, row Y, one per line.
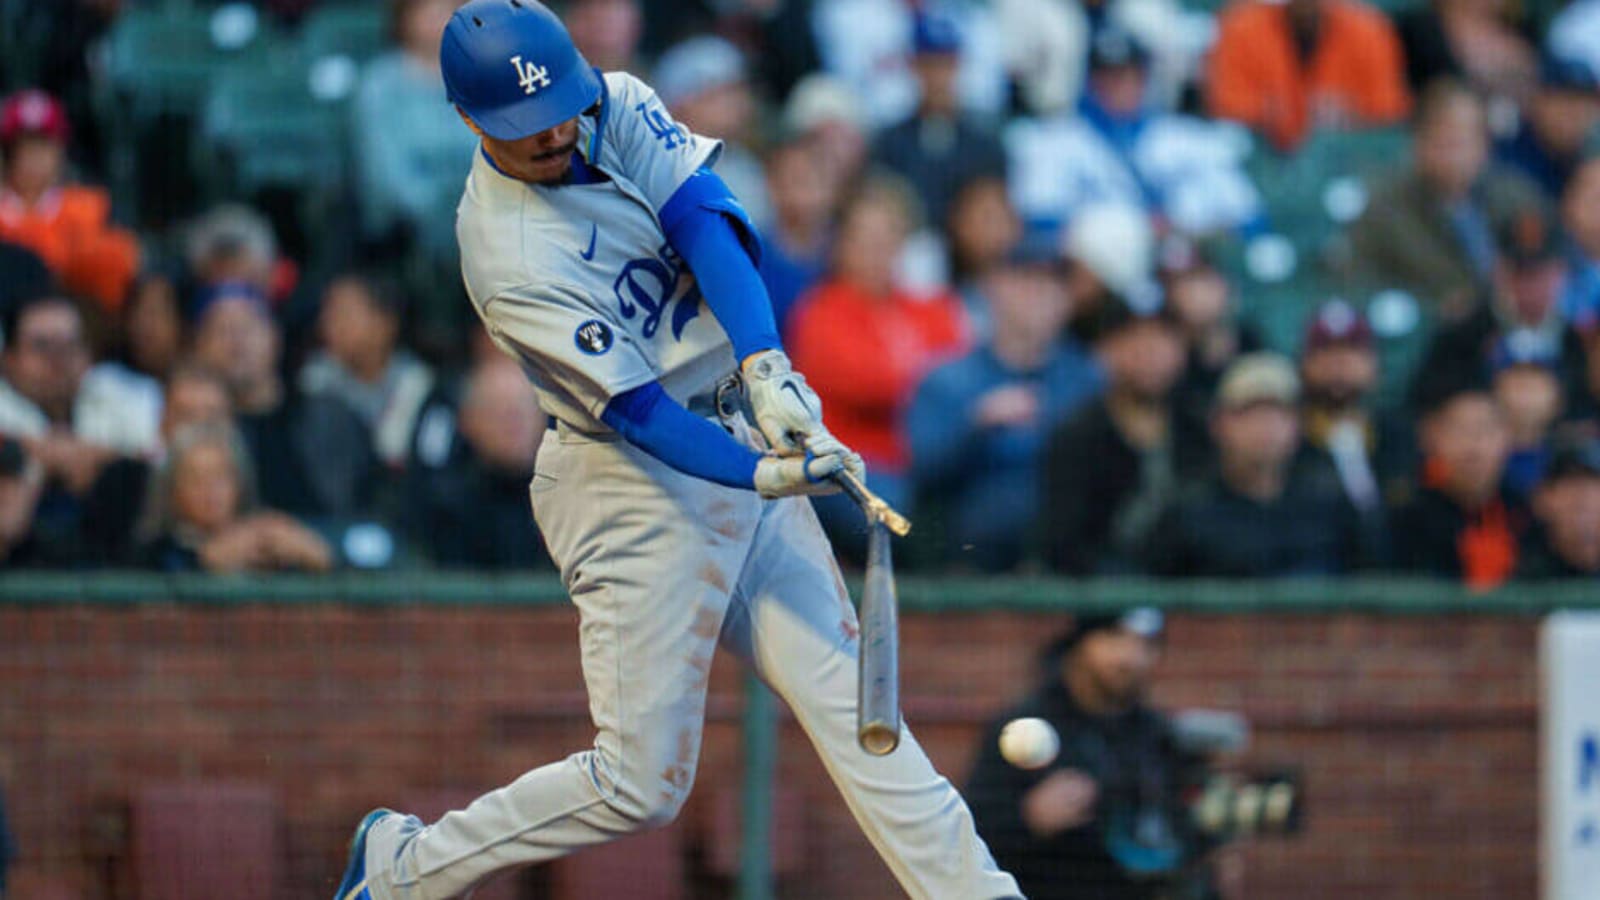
column 544, row 159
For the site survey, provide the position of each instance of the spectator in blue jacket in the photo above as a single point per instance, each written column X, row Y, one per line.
column 978, row 424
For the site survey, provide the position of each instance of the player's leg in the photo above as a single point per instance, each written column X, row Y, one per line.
column 793, row 619
column 652, row 590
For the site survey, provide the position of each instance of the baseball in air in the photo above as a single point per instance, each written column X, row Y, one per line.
column 1029, row 743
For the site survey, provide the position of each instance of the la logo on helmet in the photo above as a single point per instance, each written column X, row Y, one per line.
column 530, row 76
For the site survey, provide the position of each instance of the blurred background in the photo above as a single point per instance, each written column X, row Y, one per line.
column 1239, row 363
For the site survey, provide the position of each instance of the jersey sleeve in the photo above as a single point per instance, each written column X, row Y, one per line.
column 655, row 152
column 567, row 346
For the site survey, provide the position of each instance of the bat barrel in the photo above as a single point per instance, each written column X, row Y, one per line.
column 878, row 704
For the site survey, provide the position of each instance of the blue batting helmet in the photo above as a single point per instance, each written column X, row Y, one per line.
column 512, row 68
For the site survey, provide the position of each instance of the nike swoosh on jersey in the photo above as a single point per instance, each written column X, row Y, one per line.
column 588, row 255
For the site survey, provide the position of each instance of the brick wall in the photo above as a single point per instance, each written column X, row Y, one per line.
column 1417, row 735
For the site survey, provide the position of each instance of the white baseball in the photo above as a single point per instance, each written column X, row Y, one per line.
column 1029, row 743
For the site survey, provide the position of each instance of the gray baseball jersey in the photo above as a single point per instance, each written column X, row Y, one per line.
column 578, row 282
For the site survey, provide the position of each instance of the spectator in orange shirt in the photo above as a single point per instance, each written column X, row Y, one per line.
column 68, row 226
column 865, row 342
column 1287, row 68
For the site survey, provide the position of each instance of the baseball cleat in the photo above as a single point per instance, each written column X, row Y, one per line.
column 354, row 885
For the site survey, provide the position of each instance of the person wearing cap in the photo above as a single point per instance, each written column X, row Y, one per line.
column 1523, row 376
column 321, row 461
column 977, row 425
column 1565, row 541
column 1114, row 466
column 1109, row 250
column 1061, row 829
column 1557, row 121
column 1121, row 147
column 938, row 147
column 1372, row 453
column 703, row 83
column 1285, row 69
column 1460, row 524
column 1526, row 284
column 410, row 176
column 1429, row 227
column 68, row 225
column 1580, row 215
column 1259, row 514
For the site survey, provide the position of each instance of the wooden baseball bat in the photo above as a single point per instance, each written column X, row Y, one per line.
column 878, row 702
column 876, row 508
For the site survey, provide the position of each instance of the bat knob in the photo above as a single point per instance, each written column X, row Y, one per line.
column 879, row 738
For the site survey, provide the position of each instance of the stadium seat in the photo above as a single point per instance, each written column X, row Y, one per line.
column 164, row 60
column 263, row 126
column 205, row 839
column 359, row 32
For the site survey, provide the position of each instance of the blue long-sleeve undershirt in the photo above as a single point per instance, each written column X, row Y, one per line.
column 713, row 234
column 652, row 421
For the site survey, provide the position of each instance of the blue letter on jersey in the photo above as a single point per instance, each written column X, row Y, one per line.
column 669, row 133
column 652, row 283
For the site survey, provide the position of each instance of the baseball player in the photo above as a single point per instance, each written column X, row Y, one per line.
column 604, row 254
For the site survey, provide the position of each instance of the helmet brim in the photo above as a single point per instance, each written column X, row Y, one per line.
column 541, row 111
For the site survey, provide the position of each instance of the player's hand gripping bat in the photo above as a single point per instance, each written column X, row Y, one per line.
column 878, row 703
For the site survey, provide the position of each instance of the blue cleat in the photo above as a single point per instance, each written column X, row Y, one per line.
column 354, row 885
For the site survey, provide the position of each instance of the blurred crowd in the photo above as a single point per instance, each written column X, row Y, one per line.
column 1042, row 259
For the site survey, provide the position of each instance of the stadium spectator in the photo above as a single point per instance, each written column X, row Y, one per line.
column 977, row 425
column 1471, row 40
column 938, row 147
column 1526, row 279
column 410, row 178
column 1373, row 454
column 865, row 342
column 1460, row 525
column 1556, row 126
column 1110, row 254
column 1121, row 148
column 607, row 32
column 1430, row 227
column 67, row 225
column 1260, row 514
column 1583, row 399
column 703, row 83
column 68, row 410
column 152, row 333
column 1574, row 34
column 1202, row 303
column 21, row 487
column 321, row 460
column 1111, row 469
column 1565, row 542
column 794, row 248
column 23, row 275
column 116, row 502
column 981, row 229
column 822, row 110
column 362, row 365
column 1528, row 389
column 203, row 516
column 469, row 481
column 1580, row 299
column 1286, row 69
column 235, row 244
column 1066, row 831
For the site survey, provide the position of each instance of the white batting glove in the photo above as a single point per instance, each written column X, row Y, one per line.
column 787, row 410
column 823, row 443
column 791, row 476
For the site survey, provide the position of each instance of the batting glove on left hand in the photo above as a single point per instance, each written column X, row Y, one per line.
column 786, row 409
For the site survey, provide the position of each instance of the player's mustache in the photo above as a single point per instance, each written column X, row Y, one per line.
column 563, row 150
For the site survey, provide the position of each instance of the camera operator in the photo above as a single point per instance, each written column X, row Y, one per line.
column 1107, row 818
